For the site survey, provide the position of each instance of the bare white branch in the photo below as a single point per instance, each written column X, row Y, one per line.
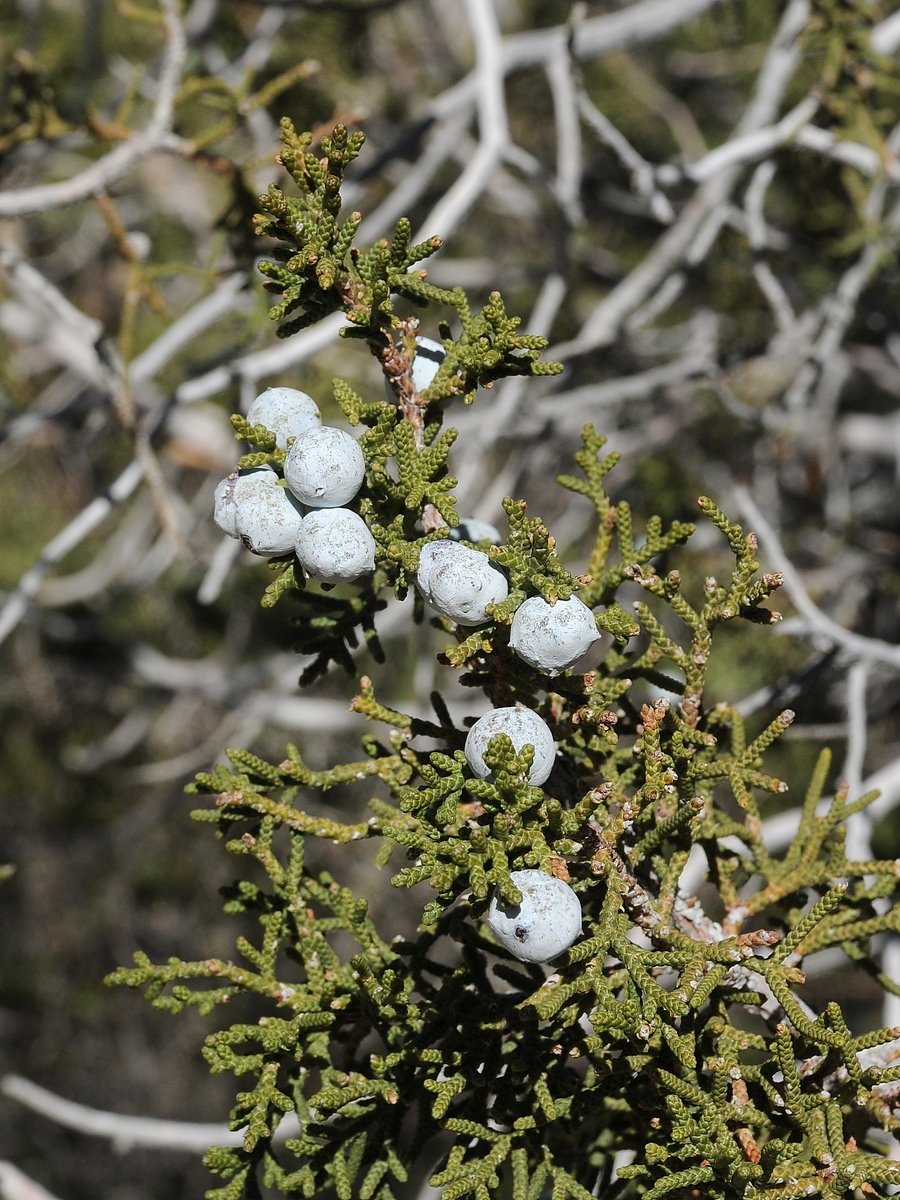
column 71, row 336
column 122, row 553
column 16, row 1185
column 257, row 365
column 890, row 964
column 605, row 321
column 885, row 36
column 754, row 145
column 54, row 552
column 124, row 1131
column 646, row 21
column 857, row 725
column 866, row 649
column 568, row 135
column 643, row 177
column 222, row 300
column 493, row 131
column 547, row 305
column 777, row 70
column 603, row 325
column 769, row 285
column 570, row 409
column 854, row 154
column 417, row 179
column 859, row 825
column 32, row 284
column 885, row 780
column 156, row 137
column 224, row 558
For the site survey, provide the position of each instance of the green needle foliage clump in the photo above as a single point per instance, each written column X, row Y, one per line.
column 668, row 1051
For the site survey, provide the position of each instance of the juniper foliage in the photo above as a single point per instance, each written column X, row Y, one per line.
column 664, row 1034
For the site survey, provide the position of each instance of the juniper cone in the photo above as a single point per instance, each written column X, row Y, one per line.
column 286, row 412
column 254, row 508
column 552, row 636
column 544, row 923
column 427, row 360
column 224, row 511
column 230, row 489
column 668, row 1051
column 324, row 468
column 334, row 545
column 523, row 728
column 459, row 582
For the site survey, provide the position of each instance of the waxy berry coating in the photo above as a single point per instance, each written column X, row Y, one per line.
column 551, row 637
column 231, row 488
column 459, row 581
column 325, row 468
column 286, row 412
column 523, row 728
column 545, row 924
column 334, row 545
column 426, row 362
column 224, row 511
column 268, row 517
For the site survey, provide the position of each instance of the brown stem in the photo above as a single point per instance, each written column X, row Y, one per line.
column 397, row 363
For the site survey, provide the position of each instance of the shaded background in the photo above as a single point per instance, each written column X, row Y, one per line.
column 143, row 651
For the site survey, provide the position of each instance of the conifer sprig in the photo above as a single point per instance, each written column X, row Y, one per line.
column 384, row 1053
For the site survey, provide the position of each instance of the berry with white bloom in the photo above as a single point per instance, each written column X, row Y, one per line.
column 325, row 468
column 551, row 637
column 459, row 581
column 286, row 412
column 470, row 529
column 267, row 517
column 229, row 491
column 224, row 512
column 545, row 924
column 523, row 727
column 335, row 546
column 426, row 362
